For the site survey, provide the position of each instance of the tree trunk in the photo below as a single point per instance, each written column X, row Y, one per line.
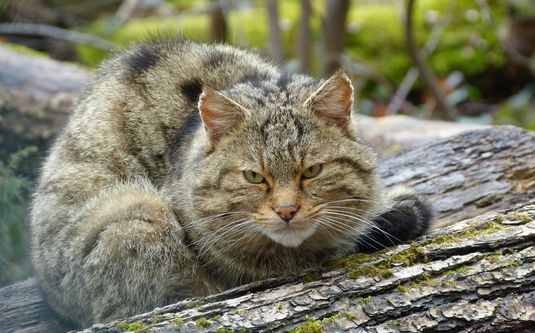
column 303, row 39
column 275, row 42
column 218, row 23
column 445, row 111
column 476, row 275
column 334, row 31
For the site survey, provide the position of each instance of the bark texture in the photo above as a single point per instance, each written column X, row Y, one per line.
column 476, row 275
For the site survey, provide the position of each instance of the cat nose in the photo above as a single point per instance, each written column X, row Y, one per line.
column 286, row 212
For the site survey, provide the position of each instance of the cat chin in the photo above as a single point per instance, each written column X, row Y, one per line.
column 290, row 237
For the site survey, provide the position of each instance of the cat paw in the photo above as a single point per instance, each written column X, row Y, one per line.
column 132, row 217
column 408, row 216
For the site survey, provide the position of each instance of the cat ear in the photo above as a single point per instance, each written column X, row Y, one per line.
column 333, row 101
column 219, row 114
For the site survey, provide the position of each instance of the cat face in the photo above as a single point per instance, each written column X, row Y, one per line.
column 289, row 170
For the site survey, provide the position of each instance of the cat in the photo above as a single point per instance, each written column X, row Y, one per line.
column 187, row 169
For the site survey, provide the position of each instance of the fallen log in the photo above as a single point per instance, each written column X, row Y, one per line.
column 36, row 96
column 476, row 274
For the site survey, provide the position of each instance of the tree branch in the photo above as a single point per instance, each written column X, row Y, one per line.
column 54, row 32
column 445, row 111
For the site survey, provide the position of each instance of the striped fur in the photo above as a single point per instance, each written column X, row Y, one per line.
column 138, row 207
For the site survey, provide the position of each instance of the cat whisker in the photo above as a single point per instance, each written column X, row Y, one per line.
column 212, row 218
column 323, row 225
column 375, row 226
column 248, row 227
column 363, row 220
column 355, row 234
column 242, row 227
column 216, row 236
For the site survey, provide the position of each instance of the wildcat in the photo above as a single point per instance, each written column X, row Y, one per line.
column 187, row 169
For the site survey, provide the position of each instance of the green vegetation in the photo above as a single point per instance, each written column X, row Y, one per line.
column 203, row 322
column 315, row 326
column 132, row 327
column 311, row 277
column 375, row 34
column 364, row 301
column 372, row 271
column 381, row 264
column 14, row 206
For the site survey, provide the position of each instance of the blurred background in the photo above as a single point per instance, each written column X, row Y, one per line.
column 463, row 61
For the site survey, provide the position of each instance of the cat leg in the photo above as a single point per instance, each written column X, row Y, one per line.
column 406, row 217
column 124, row 254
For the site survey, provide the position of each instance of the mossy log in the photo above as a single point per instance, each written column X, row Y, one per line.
column 476, row 275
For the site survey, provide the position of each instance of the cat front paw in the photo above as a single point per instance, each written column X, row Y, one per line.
column 407, row 216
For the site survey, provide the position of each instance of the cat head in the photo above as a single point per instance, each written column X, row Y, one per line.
column 282, row 163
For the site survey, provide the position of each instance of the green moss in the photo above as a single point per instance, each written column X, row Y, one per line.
column 372, row 271
column 311, row 277
column 488, row 228
column 524, row 217
column 332, row 318
column 348, row 315
column 279, row 306
column 351, row 261
column 499, row 218
column 402, row 289
column 364, row 301
column 449, row 283
column 178, row 321
column 480, row 229
column 132, row 327
column 462, row 269
column 382, row 269
column 394, row 324
column 315, row 326
column 493, row 258
column 497, row 307
column 425, row 279
column 409, row 257
column 203, row 322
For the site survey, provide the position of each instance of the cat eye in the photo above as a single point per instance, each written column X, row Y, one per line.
column 313, row 171
column 253, row 177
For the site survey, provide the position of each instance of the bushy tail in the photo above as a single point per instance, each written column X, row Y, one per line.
column 406, row 217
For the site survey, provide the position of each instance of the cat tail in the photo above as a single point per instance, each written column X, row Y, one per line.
column 406, row 216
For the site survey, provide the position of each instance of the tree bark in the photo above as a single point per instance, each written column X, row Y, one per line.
column 303, row 39
column 218, row 23
column 334, row 32
column 275, row 42
column 475, row 275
